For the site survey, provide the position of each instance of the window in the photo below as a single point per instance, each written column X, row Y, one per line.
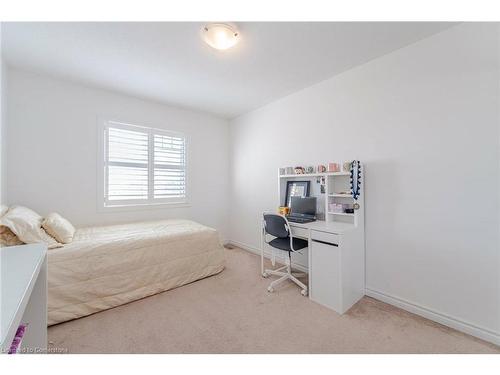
column 143, row 165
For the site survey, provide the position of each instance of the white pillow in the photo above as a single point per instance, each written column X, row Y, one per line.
column 59, row 228
column 27, row 226
column 3, row 210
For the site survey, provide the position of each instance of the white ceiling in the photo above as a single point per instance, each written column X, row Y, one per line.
column 170, row 63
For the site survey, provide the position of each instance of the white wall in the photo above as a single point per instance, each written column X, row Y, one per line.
column 3, row 112
column 51, row 151
column 425, row 121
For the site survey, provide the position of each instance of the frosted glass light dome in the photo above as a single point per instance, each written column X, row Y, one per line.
column 220, row 36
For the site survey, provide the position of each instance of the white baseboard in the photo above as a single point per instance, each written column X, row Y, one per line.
column 435, row 316
column 438, row 317
column 254, row 250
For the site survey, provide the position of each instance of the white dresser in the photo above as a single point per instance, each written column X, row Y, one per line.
column 23, row 298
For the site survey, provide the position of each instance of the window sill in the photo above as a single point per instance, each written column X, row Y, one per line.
column 143, row 207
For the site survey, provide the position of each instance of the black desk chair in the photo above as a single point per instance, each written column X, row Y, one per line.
column 278, row 227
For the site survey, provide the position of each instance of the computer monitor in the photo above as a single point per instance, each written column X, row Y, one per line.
column 303, row 206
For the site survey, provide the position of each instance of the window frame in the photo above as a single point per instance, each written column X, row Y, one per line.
column 102, row 161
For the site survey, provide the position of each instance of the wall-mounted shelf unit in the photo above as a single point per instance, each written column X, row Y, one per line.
column 335, row 186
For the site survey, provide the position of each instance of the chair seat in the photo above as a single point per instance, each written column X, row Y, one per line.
column 284, row 243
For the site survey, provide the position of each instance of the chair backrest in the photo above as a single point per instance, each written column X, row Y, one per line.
column 276, row 225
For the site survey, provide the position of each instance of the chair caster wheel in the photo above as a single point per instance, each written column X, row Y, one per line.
column 303, row 292
column 270, row 290
column 265, row 275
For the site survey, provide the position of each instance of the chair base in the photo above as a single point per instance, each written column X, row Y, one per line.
column 288, row 275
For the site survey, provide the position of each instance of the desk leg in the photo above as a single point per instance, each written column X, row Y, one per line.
column 309, row 264
column 262, row 252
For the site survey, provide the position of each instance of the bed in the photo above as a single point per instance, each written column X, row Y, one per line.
column 107, row 266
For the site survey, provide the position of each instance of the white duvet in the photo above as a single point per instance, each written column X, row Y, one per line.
column 108, row 266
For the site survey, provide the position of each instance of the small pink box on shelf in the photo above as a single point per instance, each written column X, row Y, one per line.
column 336, row 207
column 333, row 167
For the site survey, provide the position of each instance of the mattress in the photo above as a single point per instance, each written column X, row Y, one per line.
column 108, row 266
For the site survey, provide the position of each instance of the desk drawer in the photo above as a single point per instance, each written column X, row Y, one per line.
column 330, row 238
column 300, row 232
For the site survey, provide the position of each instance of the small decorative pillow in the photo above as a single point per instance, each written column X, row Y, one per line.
column 8, row 238
column 27, row 225
column 59, row 228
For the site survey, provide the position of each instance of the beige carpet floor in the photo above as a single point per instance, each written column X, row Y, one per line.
column 233, row 313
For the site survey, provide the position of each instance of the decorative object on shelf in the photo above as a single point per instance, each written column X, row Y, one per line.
column 282, row 171
column 283, row 210
column 18, row 338
column 336, row 207
column 355, row 181
column 289, row 170
column 296, row 189
column 333, row 167
column 310, row 169
column 321, row 180
column 321, row 168
column 341, row 208
column 347, row 166
column 299, row 170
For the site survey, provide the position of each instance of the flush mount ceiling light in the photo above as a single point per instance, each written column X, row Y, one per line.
column 220, row 36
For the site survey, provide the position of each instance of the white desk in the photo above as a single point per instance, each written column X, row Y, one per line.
column 336, row 260
column 23, row 298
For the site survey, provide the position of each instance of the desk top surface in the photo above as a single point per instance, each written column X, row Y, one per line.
column 19, row 267
column 326, row 226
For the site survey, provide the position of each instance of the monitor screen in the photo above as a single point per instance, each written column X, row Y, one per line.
column 303, row 206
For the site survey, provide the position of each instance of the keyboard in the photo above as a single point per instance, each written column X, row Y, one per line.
column 295, row 219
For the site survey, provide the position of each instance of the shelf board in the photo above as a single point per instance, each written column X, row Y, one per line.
column 315, row 174
column 337, row 174
column 340, row 213
column 340, row 195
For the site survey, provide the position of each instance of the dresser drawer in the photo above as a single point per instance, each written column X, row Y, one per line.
column 328, row 238
column 300, row 232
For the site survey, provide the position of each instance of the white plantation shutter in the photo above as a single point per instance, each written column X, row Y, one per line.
column 169, row 167
column 143, row 165
column 127, row 165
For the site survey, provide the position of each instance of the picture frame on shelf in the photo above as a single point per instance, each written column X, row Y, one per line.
column 296, row 189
